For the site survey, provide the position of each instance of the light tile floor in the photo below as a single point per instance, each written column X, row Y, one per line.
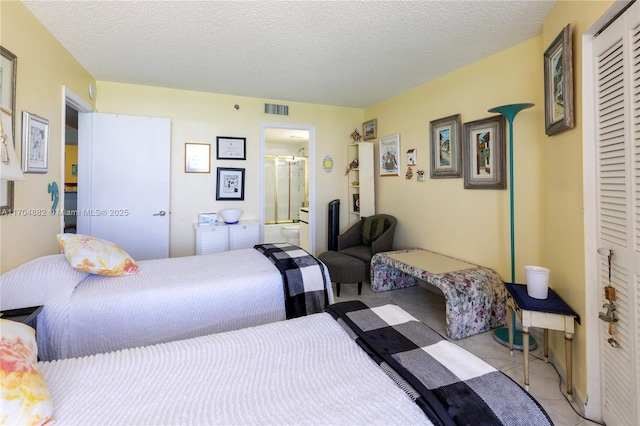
column 544, row 383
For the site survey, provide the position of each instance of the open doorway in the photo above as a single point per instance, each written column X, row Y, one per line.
column 72, row 106
column 287, row 182
column 70, row 170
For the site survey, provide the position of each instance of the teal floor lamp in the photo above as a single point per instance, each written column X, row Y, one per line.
column 502, row 334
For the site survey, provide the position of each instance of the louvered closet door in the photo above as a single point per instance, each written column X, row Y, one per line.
column 617, row 65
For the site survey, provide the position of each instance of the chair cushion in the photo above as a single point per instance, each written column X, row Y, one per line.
column 343, row 268
column 373, row 228
column 359, row 252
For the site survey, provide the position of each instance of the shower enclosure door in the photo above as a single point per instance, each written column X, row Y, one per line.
column 285, row 188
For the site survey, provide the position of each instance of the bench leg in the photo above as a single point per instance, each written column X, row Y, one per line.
column 359, row 288
column 338, row 289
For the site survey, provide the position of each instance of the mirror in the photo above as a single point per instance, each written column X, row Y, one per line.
column 8, row 70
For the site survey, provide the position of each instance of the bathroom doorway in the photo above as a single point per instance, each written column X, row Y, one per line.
column 287, row 183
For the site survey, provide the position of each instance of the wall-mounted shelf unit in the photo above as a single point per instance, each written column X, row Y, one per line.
column 361, row 182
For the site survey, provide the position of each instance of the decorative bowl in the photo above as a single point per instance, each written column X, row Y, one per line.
column 230, row 216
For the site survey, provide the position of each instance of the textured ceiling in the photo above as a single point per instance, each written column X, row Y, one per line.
column 349, row 53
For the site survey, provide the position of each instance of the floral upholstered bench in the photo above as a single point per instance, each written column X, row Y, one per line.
column 475, row 296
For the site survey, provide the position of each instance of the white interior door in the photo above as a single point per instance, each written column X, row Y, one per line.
column 617, row 95
column 124, row 176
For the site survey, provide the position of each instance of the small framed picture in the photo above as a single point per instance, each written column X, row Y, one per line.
column 9, row 68
column 485, row 153
column 389, row 151
column 35, row 143
column 197, row 157
column 230, row 184
column 230, row 148
column 446, row 152
column 558, row 84
column 370, row 129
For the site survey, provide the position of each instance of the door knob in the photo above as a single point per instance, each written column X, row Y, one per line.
column 160, row 213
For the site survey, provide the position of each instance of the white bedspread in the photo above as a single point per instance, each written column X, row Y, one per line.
column 168, row 299
column 302, row 371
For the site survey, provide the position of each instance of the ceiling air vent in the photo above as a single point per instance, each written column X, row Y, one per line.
column 276, row 109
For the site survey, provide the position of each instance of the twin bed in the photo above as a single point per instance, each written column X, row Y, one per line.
column 168, row 299
column 359, row 363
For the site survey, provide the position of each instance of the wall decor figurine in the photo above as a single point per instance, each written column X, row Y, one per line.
column 420, row 177
column 409, row 173
column 352, row 166
column 52, row 189
column 356, row 136
column 412, row 157
column 327, row 163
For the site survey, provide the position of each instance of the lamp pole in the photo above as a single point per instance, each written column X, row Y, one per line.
column 502, row 334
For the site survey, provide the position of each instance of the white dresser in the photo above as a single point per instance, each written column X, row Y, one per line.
column 217, row 238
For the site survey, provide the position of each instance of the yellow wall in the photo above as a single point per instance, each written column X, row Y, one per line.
column 563, row 189
column 71, row 158
column 44, row 66
column 200, row 117
column 440, row 215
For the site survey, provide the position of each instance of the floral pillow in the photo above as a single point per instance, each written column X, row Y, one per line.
column 96, row 256
column 25, row 397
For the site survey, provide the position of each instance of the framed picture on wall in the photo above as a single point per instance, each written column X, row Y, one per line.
column 35, row 143
column 446, row 147
column 370, row 129
column 197, row 157
column 558, row 84
column 230, row 184
column 230, row 148
column 485, row 153
column 8, row 70
column 389, row 151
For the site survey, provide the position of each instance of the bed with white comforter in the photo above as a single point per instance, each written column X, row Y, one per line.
column 169, row 299
column 309, row 370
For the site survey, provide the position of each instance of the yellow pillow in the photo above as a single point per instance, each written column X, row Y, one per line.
column 96, row 256
column 25, row 397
